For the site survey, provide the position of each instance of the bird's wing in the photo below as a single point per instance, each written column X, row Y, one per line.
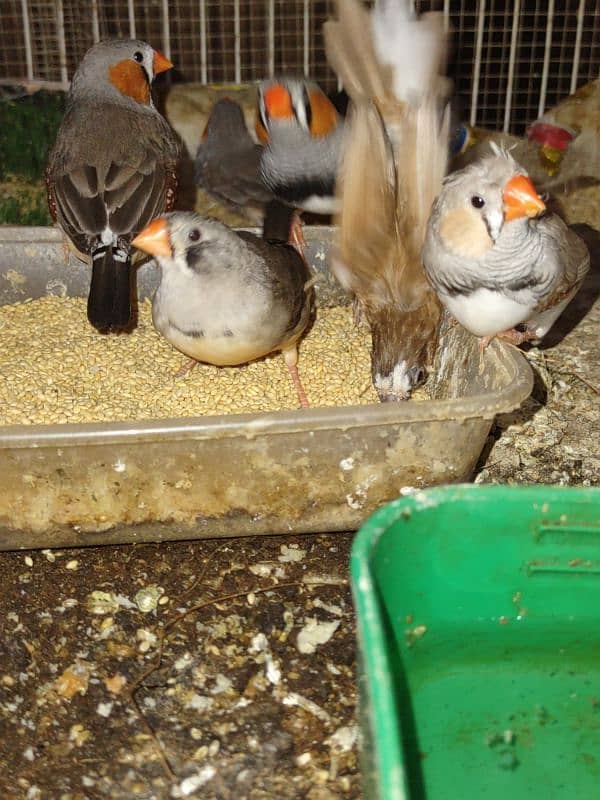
column 285, row 274
column 351, row 53
column 227, row 161
column 119, row 178
column 366, row 262
column 233, row 177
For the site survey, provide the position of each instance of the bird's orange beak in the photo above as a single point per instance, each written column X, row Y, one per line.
column 521, row 199
column 154, row 239
column 160, row 63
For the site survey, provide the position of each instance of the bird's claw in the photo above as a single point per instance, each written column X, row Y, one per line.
column 517, row 337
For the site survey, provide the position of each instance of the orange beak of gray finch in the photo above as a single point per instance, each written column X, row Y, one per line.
column 160, row 63
column 521, row 199
column 154, row 239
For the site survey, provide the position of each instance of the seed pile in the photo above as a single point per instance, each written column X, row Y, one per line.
column 55, row 368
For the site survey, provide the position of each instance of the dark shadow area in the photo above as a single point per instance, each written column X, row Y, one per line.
column 186, row 189
column 412, row 753
column 526, row 411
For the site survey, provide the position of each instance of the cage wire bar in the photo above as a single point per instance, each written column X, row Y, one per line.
column 477, row 63
column 510, row 60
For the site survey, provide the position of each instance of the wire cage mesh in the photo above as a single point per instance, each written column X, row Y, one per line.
column 509, row 60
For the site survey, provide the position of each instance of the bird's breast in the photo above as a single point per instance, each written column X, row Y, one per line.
column 218, row 324
column 226, row 348
column 485, row 312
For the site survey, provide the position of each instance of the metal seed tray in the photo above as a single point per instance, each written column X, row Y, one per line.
column 321, row 469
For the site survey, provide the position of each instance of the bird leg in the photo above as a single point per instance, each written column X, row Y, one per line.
column 67, row 249
column 185, row 368
column 290, row 356
column 297, row 239
column 483, row 343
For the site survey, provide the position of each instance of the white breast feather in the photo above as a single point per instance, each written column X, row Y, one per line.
column 485, row 312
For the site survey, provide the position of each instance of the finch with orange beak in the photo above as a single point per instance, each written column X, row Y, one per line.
column 495, row 255
column 112, row 168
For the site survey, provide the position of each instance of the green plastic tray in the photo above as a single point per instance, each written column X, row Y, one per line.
column 479, row 644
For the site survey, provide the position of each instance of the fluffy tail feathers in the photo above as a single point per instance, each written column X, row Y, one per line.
column 395, row 158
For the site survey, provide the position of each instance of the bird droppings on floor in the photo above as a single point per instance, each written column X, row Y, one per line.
column 210, row 693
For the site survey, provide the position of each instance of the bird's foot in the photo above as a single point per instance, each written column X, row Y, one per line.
column 483, row 343
column 297, row 239
column 302, row 398
column 187, row 367
column 512, row 336
column 517, row 337
column 66, row 248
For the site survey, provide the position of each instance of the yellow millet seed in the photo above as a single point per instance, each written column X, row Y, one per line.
column 55, row 368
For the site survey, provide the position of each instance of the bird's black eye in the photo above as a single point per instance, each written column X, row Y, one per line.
column 138, row 56
column 477, row 201
column 194, row 235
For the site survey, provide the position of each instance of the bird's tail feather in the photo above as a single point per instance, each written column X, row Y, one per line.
column 368, row 207
column 351, row 53
column 420, row 175
column 396, row 146
column 109, row 299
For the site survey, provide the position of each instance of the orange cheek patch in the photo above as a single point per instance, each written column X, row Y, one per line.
column 464, row 232
column 129, row 79
column 324, row 116
column 278, row 101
